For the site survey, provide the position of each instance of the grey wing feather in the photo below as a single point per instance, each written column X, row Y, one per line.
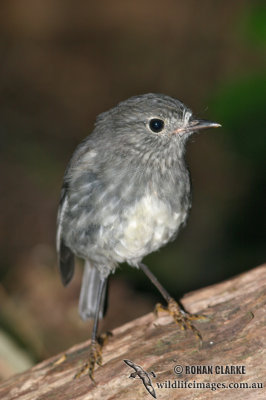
column 65, row 255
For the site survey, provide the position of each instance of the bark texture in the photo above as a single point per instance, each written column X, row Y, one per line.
column 233, row 335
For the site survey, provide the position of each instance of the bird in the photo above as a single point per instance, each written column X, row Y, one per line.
column 126, row 192
column 143, row 375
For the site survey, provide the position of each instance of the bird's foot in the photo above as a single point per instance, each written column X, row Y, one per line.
column 181, row 317
column 95, row 356
column 60, row 360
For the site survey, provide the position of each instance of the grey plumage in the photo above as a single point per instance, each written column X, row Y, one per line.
column 88, row 293
column 126, row 190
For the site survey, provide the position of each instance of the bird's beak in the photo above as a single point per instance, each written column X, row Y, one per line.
column 196, row 125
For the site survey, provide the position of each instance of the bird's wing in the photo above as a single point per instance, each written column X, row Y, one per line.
column 151, row 390
column 136, row 367
column 65, row 255
column 148, row 384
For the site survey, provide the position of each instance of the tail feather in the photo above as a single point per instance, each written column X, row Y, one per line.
column 66, row 263
column 88, row 294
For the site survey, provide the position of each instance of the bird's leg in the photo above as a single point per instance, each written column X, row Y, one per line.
column 180, row 316
column 97, row 343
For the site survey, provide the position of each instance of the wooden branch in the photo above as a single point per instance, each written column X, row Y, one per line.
column 234, row 336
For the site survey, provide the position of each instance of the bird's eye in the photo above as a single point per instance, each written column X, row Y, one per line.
column 156, row 125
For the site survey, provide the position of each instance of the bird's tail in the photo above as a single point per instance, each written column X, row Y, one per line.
column 89, row 292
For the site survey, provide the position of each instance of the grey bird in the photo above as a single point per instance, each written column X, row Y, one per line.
column 125, row 193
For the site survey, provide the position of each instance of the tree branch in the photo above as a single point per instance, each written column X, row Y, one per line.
column 233, row 335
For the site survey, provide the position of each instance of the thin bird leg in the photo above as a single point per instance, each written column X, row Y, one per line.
column 180, row 316
column 95, row 350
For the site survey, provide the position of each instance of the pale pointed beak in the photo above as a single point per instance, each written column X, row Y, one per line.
column 196, row 125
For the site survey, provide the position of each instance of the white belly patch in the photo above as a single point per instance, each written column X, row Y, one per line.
column 150, row 224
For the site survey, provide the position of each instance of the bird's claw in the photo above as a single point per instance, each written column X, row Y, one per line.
column 60, row 360
column 181, row 317
column 95, row 356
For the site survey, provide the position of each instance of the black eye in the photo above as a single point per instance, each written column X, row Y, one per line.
column 156, row 125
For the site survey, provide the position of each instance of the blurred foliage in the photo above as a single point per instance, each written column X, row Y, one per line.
column 252, row 24
column 240, row 104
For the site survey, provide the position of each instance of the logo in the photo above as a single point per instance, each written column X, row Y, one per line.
column 191, row 382
column 143, row 375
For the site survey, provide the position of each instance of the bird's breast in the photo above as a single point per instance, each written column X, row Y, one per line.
column 148, row 224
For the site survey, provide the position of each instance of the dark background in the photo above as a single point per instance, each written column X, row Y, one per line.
column 62, row 63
